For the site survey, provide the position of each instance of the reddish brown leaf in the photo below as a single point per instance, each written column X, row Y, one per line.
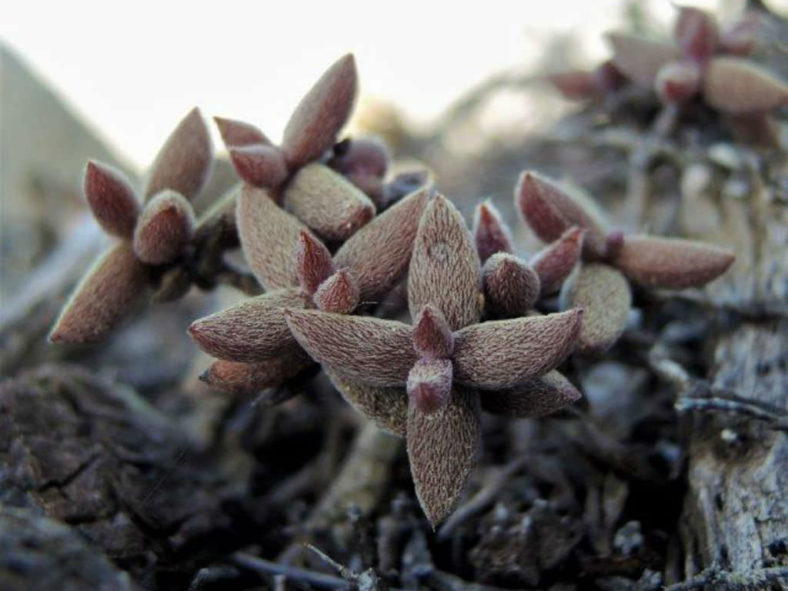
column 239, row 133
column 432, row 336
column 444, row 268
column 555, row 262
column 364, row 349
column 736, row 85
column 603, row 292
column 490, row 231
column 696, row 34
column 386, row 407
column 338, row 293
column 511, row 286
column 671, row 262
column 259, row 165
column 251, row 378
column 327, row 202
column 608, row 77
column 250, row 331
column 429, row 384
column 550, row 210
column 378, row 254
column 442, row 449
column 269, row 236
column 107, row 294
column 640, row 59
column 313, row 262
column 111, row 199
column 678, row 82
column 164, row 228
column 576, row 85
column 506, row 353
column 536, row 398
column 321, row 114
column 184, row 162
column 367, row 156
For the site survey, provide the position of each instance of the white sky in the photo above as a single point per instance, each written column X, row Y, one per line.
column 133, row 69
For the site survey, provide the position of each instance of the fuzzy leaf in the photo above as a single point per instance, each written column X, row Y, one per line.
column 327, row 202
column 321, row 114
column 550, row 210
column 640, row 59
column 164, row 228
column 313, row 262
column 429, row 384
column 737, row 85
column 575, row 85
column 239, row 133
column 111, row 199
column 506, row 353
column 338, row 293
column 184, row 162
column 378, row 254
column 442, row 449
column 364, row 349
column 253, row 330
column 696, row 34
column 536, row 398
column 671, row 262
column 107, row 294
column 432, row 336
column 603, row 292
column 554, row 263
column 259, row 164
column 490, row 231
column 371, row 185
column 511, row 286
column 678, row 82
column 251, row 378
column 444, row 268
column 387, row 407
column 269, row 236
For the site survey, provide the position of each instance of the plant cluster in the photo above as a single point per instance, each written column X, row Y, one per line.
column 703, row 61
column 336, row 246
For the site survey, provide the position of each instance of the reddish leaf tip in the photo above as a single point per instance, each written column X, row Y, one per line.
column 313, row 262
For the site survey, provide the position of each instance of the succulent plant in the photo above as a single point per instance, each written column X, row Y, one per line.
column 299, row 272
column 701, row 60
column 428, row 382
column 611, row 259
column 148, row 237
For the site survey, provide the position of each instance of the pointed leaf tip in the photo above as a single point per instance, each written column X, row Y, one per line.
column 506, row 353
column 490, row 232
column 338, row 293
column 429, row 384
column 107, row 294
column 678, row 82
column 442, row 448
column 445, row 270
column 313, row 262
column 184, row 162
column 432, row 336
column 321, row 114
column 604, row 294
column 111, row 199
column 259, row 165
column 379, row 253
column 511, row 286
column 250, row 331
column 550, row 210
column 671, row 262
column 327, row 202
column 555, row 262
column 164, row 228
column 696, row 33
column 239, row 133
column 364, row 349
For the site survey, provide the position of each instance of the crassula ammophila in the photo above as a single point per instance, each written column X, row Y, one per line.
column 335, row 244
